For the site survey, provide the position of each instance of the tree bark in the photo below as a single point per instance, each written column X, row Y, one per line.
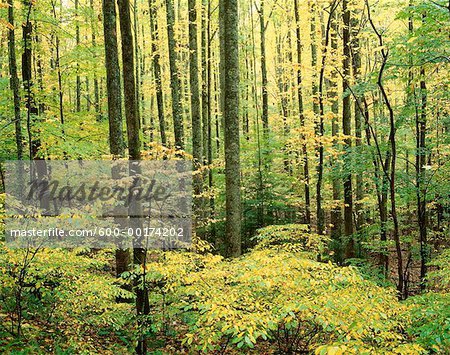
column 231, row 116
column 77, row 42
column 197, row 151
column 154, row 32
column 307, row 218
column 14, row 81
column 177, row 110
column 346, row 128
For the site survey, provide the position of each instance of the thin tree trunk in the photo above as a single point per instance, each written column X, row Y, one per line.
column 77, row 42
column 321, row 130
column 356, row 66
column 157, row 70
column 302, row 115
column 265, row 95
column 34, row 143
column 336, row 213
column 177, row 110
column 14, row 81
column 197, row 150
column 421, row 132
column 346, row 129
column 401, row 286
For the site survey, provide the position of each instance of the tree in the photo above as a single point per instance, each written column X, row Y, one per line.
column 14, row 81
column 113, row 86
column 347, row 131
column 134, row 153
column 231, row 118
column 197, row 150
column 301, row 114
column 177, row 110
column 154, row 32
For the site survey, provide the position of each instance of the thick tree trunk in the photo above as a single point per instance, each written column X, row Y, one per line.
column 231, row 115
column 114, row 95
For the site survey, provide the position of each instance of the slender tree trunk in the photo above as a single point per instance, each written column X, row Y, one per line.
column 34, row 143
column 346, row 128
column 390, row 175
column 157, row 70
column 336, row 213
column 177, row 110
column 302, row 115
column 321, row 130
column 136, row 60
column 204, row 66
column 231, row 115
column 14, row 81
column 356, row 66
column 197, row 150
column 421, row 132
column 77, row 41
column 94, row 45
column 265, row 94
column 209, row 123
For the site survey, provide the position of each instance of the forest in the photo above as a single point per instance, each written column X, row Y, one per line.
column 319, row 137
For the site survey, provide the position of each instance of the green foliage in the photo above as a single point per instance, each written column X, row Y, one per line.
column 430, row 321
column 292, row 237
column 65, row 299
column 273, row 298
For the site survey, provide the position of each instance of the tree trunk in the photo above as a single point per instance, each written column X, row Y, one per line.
column 265, row 95
column 346, row 128
column 34, row 143
column 421, row 132
column 356, row 66
column 14, row 81
column 231, row 116
column 177, row 110
column 157, row 70
column 114, row 95
column 336, row 212
column 302, row 115
column 197, row 151
column 77, row 41
column 134, row 149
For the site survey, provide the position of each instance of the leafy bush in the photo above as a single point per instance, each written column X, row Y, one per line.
column 291, row 237
column 276, row 299
column 61, row 298
column 430, row 321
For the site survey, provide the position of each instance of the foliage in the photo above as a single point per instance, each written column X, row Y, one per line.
column 430, row 321
column 273, row 298
column 66, row 300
